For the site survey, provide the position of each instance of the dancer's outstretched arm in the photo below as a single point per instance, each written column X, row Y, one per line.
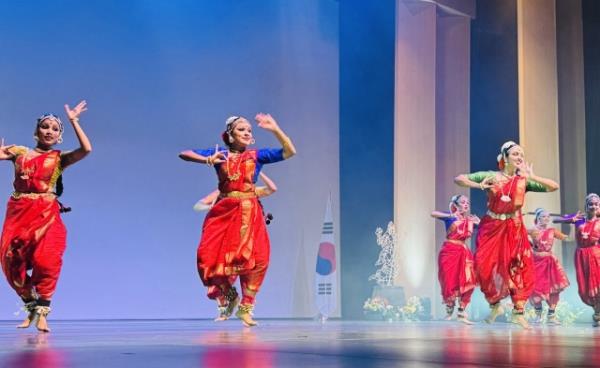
column 216, row 158
column 85, row 147
column 440, row 215
column 569, row 219
column 267, row 122
column 482, row 180
column 561, row 236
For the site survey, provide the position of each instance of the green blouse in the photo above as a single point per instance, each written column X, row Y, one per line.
column 532, row 186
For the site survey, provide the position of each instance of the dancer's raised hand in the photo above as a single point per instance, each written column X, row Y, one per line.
column 73, row 114
column 526, row 170
column 5, row 153
column 266, row 121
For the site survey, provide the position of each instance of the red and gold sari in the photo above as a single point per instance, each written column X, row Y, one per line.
column 234, row 236
column 550, row 277
column 587, row 261
column 503, row 255
column 456, row 272
column 33, row 236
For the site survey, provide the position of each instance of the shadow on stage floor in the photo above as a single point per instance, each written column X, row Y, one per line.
column 295, row 343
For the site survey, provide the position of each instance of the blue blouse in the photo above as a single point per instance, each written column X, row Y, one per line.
column 263, row 155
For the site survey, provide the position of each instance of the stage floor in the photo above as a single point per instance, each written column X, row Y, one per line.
column 294, row 343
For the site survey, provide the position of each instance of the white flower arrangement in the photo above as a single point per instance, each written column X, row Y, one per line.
column 381, row 309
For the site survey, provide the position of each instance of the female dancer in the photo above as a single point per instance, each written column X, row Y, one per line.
column 34, row 237
column 455, row 262
column 503, row 259
column 587, row 255
column 550, row 278
column 234, row 237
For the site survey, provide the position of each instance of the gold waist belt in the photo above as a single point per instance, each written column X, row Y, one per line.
column 240, row 195
column 457, row 242
column 501, row 216
column 48, row 195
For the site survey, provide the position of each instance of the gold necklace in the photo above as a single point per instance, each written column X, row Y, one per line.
column 506, row 196
column 235, row 175
column 27, row 171
column 586, row 234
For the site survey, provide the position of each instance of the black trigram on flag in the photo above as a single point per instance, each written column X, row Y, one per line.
column 324, row 288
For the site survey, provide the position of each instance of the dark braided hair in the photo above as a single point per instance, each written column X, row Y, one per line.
column 60, row 188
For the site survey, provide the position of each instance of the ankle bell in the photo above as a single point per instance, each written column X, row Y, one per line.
column 30, row 306
column 42, row 310
column 246, row 308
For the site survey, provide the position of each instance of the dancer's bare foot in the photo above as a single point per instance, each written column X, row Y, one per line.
column 42, row 323
column 246, row 319
column 495, row 311
column 463, row 317
column 29, row 307
column 244, row 313
column 222, row 315
column 28, row 320
column 553, row 320
column 519, row 319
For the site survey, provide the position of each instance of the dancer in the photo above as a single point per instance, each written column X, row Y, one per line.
column 455, row 262
column 587, row 255
column 33, row 236
column 234, row 237
column 503, row 256
column 550, row 278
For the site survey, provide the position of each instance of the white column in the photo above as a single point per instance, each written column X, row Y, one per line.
column 538, row 97
column 571, row 111
column 414, row 145
column 452, row 114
